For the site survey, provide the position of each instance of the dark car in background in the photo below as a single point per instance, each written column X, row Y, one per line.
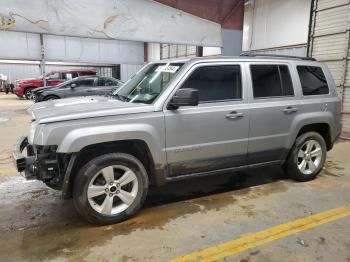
column 24, row 87
column 80, row 86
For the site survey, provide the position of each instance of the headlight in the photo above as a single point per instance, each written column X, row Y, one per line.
column 33, row 127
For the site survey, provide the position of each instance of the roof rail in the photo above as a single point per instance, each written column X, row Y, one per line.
column 281, row 56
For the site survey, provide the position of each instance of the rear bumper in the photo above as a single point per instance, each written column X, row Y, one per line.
column 21, row 162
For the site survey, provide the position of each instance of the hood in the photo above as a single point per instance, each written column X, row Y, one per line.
column 83, row 107
column 29, row 80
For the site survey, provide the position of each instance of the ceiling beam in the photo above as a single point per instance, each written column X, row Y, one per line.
column 231, row 12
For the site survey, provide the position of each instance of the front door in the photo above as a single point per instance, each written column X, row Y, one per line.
column 214, row 134
column 82, row 87
column 54, row 79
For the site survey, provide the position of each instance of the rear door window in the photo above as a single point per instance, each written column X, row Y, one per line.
column 55, row 76
column 313, row 80
column 271, row 81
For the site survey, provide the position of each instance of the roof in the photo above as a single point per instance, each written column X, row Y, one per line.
column 243, row 57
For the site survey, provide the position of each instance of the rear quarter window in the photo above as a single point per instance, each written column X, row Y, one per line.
column 313, row 80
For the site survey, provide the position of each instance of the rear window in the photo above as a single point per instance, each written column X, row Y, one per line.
column 271, row 81
column 313, row 80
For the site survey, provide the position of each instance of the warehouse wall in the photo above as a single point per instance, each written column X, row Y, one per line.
column 330, row 43
column 26, row 46
column 127, row 71
column 275, row 25
column 22, row 71
column 92, row 52
column 87, row 50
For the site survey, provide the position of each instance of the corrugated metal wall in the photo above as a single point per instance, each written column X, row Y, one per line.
column 177, row 51
column 275, row 24
column 127, row 71
column 21, row 71
column 329, row 43
column 289, row 50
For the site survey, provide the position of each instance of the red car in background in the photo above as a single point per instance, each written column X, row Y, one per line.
column 24, row 87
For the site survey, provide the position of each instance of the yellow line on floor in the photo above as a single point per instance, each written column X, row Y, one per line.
column 262, row 237
column 7, row 170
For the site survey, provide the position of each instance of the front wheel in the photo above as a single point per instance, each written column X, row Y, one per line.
column 28, row 93
column 307, row 157
column 110, row 188
column 50, row 97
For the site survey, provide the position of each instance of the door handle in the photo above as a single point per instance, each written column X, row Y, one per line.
column 290, row 109
column 234, row 115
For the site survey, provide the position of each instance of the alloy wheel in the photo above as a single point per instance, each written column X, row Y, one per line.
column 309, row 157
column 112, row 190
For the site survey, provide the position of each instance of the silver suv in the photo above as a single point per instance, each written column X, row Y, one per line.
column 180, row 119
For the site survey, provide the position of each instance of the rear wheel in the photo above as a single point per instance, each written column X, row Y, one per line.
column 307, row 157
column 110, row 188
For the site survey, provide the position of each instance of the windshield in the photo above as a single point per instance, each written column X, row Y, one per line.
column 148, row 83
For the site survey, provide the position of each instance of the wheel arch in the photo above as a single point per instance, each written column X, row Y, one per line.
column 322, row 128
column 135, row 147
column 51, row 95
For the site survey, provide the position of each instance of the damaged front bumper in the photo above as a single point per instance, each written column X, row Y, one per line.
column 24, row 163
column 43, row 163
column 39, row 162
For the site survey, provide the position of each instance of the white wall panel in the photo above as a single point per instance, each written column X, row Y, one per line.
column 275, row 23
column 15, row 44
column 88, row 50
column 127, row 71
column 26, row 46
column 136, row 20
column 209, row 51
column 291, row 51
column 153, row 52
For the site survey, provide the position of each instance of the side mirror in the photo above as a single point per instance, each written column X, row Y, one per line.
column 184, row 97
column 73, row 86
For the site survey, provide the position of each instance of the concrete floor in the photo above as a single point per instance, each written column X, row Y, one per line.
column 180, row 218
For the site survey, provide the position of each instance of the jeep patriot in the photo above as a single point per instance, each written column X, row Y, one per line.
column 179, row 119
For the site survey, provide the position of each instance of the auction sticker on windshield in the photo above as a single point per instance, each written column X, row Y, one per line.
column 167, row 69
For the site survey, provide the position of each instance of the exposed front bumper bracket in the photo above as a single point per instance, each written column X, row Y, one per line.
column 24, row 163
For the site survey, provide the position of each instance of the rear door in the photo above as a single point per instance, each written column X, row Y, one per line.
column 275, row 103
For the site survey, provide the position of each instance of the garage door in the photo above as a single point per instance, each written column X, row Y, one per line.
column 329, row 43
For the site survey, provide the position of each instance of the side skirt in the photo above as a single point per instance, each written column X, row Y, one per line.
column 224, row 171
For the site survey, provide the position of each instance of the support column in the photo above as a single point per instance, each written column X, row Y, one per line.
column 42, row 58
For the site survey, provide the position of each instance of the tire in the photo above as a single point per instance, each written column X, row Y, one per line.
column 91, row 190
column 309, row 147
column 28, row 93
column 50, row 97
